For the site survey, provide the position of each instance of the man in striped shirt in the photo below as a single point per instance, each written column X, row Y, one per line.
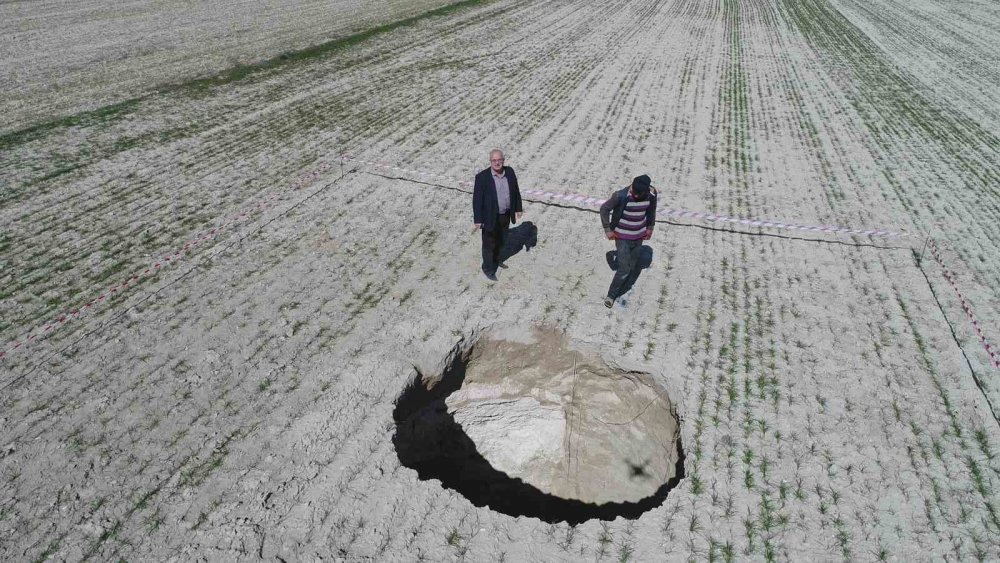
column 628, row 217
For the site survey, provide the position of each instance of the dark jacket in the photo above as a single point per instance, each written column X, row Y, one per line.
column 484, row 198
column 611, row 210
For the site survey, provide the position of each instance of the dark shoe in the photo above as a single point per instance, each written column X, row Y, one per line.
column 608, row 302
column 492, row 276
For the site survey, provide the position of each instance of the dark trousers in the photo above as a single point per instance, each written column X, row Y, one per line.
column 628, row 267
column 493, row 243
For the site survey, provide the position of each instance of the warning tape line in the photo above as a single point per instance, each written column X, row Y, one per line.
column 683, row 213
column 578, row 199
column 42, row 331
column 119, row 288
column 950, row 276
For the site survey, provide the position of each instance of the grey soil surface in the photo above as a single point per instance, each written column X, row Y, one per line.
column 236, row 401
column 60, row 57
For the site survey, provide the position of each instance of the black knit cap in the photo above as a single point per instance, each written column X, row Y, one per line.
column 640, row 185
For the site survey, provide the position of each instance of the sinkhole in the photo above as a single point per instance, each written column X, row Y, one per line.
column 526, row 425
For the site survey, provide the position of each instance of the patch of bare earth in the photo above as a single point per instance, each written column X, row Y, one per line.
column 834, row 402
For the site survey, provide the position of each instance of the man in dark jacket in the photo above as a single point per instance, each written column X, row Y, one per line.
column 628, row 217
column 496, row 204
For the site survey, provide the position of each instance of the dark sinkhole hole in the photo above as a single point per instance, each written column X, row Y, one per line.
column 530, row 427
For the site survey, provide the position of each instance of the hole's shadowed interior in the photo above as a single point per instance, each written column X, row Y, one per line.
column 428, row 440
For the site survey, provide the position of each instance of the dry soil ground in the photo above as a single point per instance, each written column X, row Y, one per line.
column 61, row 57
column 237, row 402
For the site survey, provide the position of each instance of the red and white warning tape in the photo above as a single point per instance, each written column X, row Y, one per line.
column 576, row 199
column 950, row 276
column 39, row 332
column 151, row 270
column 589, row 201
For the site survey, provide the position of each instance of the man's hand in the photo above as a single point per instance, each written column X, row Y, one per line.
column 649, row 235
column 610, row 235
column 517, row 215
column 477, row 226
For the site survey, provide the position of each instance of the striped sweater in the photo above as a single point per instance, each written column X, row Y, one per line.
column 632, row 225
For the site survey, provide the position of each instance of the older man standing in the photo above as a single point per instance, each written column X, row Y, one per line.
column 496, row 204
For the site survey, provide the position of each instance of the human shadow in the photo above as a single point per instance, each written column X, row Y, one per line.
column 430, row 441
column 523, row 236
column 645, row 258
column 645, row 261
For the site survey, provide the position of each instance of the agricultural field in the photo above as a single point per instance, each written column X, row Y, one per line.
column 231, row 249
column 60, row 59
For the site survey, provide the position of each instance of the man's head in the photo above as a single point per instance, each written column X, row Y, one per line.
column 496, row 160
column 640, row 187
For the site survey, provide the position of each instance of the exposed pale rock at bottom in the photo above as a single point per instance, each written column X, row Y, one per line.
column 565, row 422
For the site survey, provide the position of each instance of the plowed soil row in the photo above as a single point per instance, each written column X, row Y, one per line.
column 239, row 403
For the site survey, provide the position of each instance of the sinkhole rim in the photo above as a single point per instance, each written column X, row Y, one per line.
column 468, row 473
